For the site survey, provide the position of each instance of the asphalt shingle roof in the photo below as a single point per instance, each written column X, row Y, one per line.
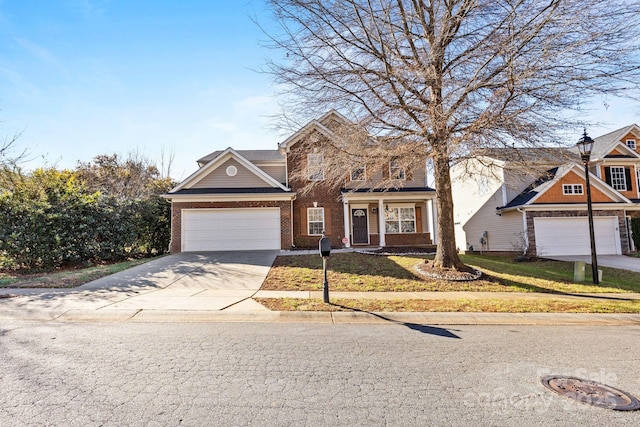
column 251, row 155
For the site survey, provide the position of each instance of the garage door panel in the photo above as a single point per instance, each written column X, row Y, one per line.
column 570, row 236
column 230, row 229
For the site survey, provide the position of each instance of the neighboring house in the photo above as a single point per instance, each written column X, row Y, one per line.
column 500, row 206
column 250, row 199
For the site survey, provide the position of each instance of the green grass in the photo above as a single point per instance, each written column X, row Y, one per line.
column 66, row 278
column 552, row 276
column 366, row 273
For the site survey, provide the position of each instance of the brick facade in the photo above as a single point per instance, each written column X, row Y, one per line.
column 322, row 194
column 176, row 218
column 408, row 239
column 531, row 235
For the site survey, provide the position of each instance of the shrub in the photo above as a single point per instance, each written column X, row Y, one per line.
column 635, row 231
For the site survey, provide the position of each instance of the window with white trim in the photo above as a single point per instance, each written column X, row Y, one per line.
column 396, row 171
column 315, row 166
column 358, row 174
column 572, row 189
column 315, row 221
column 618, row 181
column 400, row 219
column 638, row 179
column 631, row 143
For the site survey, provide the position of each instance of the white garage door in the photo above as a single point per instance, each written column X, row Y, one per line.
column 230, row 229
column 570, row 236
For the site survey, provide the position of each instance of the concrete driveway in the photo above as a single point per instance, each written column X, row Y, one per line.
column 205, row 281
column 614, row 261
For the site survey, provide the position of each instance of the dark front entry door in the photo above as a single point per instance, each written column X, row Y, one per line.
column 360, row 228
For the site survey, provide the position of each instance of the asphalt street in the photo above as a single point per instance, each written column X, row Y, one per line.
column 293, row 374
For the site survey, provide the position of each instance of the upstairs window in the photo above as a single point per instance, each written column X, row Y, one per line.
column 358, row 174
column 315, row 221
column 618, row 181
column 315, row 167
column 631, row 143
column 572, row 189
column 396, row 171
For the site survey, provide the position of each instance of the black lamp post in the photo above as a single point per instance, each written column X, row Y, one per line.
column 585, row 145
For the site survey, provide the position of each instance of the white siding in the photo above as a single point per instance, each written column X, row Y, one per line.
column 477, row 192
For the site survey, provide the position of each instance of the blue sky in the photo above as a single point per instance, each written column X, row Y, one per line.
column 89, row 77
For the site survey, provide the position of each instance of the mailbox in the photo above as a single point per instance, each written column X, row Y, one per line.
column 325, row 246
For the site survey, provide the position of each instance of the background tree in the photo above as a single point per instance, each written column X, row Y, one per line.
column 444, row 78
column 131, row 177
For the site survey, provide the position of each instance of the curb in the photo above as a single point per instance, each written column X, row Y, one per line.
column 412, row 318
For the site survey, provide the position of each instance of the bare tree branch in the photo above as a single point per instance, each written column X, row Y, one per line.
column 447, row 79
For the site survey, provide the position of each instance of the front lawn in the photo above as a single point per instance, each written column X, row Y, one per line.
column 367, row 273
column 70, row 278
column 546, row 305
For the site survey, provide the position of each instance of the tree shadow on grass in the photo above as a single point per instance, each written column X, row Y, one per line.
column 425, row 329
column 352, row 263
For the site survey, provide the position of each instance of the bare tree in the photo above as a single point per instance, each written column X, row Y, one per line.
column 444, row 78
column 10, row 161
column 130, row 178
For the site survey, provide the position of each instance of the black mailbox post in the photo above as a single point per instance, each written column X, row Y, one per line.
column 325, row 250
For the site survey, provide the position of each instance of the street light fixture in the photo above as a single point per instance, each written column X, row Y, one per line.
column 585, row 145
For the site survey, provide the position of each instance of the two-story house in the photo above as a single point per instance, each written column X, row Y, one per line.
column 501, row 205
column 252, row 200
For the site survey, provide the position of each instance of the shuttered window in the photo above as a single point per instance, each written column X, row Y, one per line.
column 618, row 177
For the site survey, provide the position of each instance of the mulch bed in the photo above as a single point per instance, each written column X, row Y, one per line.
column 428, row 269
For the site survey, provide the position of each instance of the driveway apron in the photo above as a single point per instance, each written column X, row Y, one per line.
column 185, row 281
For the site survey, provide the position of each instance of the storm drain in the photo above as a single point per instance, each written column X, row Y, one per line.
column 591, row 393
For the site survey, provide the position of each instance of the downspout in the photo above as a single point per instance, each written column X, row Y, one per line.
column 291, row 219
column 526, row 234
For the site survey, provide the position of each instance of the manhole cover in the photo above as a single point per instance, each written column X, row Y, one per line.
column 591, row 393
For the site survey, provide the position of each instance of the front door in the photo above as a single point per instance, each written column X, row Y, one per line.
column 360, row 226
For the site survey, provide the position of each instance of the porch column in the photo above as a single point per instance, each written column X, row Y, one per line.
column 430, row 219
column 433, row 216
column 381, row 228
column 347, row 234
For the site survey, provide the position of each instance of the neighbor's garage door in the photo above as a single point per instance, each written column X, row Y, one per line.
column 230, row 229
column 570, row 236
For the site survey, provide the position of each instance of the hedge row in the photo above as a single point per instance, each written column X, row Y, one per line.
column 63, row 225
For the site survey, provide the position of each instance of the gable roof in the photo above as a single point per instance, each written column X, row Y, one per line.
column 604, row 144
column 218, row 161
column 319, row 125
column 626, row 152
column 553, row 176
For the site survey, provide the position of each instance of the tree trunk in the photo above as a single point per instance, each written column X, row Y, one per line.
column 446, row 253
